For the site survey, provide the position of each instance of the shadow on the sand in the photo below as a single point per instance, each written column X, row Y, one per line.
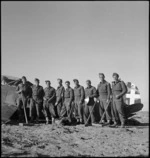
column 24, row 154
column 15, row 154
column 40, row 155
column 135, row 123
column 79, row 156
column 139, row 156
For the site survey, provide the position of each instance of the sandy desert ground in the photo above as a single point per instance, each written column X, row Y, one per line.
column 43, row 140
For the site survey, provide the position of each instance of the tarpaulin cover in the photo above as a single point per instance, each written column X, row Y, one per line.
column 9, row 97
column 8, row 101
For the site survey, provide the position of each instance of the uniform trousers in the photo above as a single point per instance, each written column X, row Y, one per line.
column 49, row 109
column 67, row 109
column 59, row 107
column 36, row 109
column 89, row 111
column 20, row 102
column 102, row 108
column 78, row 109
column 118, row 111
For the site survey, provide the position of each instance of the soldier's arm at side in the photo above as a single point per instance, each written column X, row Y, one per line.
column 18, row 90
column 108, row 91
column 82, row 94
column 42, row 92
column 97, row 92
column 71, row 95
column 29, row 92
column 61, row 96
column 94, row 95
column 124, row 91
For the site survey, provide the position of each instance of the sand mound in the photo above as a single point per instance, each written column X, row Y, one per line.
column 56, row 140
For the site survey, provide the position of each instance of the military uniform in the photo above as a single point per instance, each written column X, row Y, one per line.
column 91, row 93
column 118, row 88
column 68, row 103
column 49, row 102
column 104, row 91
column 36, row 101
column 79, row 95
column 23, row 98
column 59, row 98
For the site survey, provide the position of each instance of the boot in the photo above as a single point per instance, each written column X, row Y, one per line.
column 37, row 120
column 69, row 119
column 78, row 120
column 122, row 125
column 107, row 123
column 114, row 125
column 94, row 123
column 81, row 121
column 31, row 120
column 47, row 121
column 53, row 120
column 102, row 122
column 86, row 124
column 21, row 119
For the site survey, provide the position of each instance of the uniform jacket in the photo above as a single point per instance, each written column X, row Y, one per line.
column 118, row 88
column 26, row 90
column 60, row 94
column 37, row 93
column 49, row 94
column 79, row 93
column 104, row 90
column 69, row 95
column 91, row 93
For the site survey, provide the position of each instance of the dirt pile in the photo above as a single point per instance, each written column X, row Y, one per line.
column 48, row 140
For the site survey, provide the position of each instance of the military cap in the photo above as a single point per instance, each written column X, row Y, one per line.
column 67, row 82
column 36, row 79
column 115, row 74
column 47, row 81
column 23, row 77
column 59, row 79
column 75, row 80
column 101, row 74
column 88, row 81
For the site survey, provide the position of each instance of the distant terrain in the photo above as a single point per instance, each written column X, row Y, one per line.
column 55, row 140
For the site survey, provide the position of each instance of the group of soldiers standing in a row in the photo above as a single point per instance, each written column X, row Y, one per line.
column 68, row 102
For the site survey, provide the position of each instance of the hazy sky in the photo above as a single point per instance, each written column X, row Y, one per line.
column 68, row 40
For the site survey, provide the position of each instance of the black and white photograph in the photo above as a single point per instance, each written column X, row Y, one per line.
column 74, row 79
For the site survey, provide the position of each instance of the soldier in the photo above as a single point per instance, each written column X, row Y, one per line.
column 59, row 96
column 104, row 91
column 79, row 95
column 68, row 102
column 90, row 92
column 24, row 92
column 36, row 101
column 119, row 89
column 49, row 102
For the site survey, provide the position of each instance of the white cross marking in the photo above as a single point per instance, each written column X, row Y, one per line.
column 132, row 96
